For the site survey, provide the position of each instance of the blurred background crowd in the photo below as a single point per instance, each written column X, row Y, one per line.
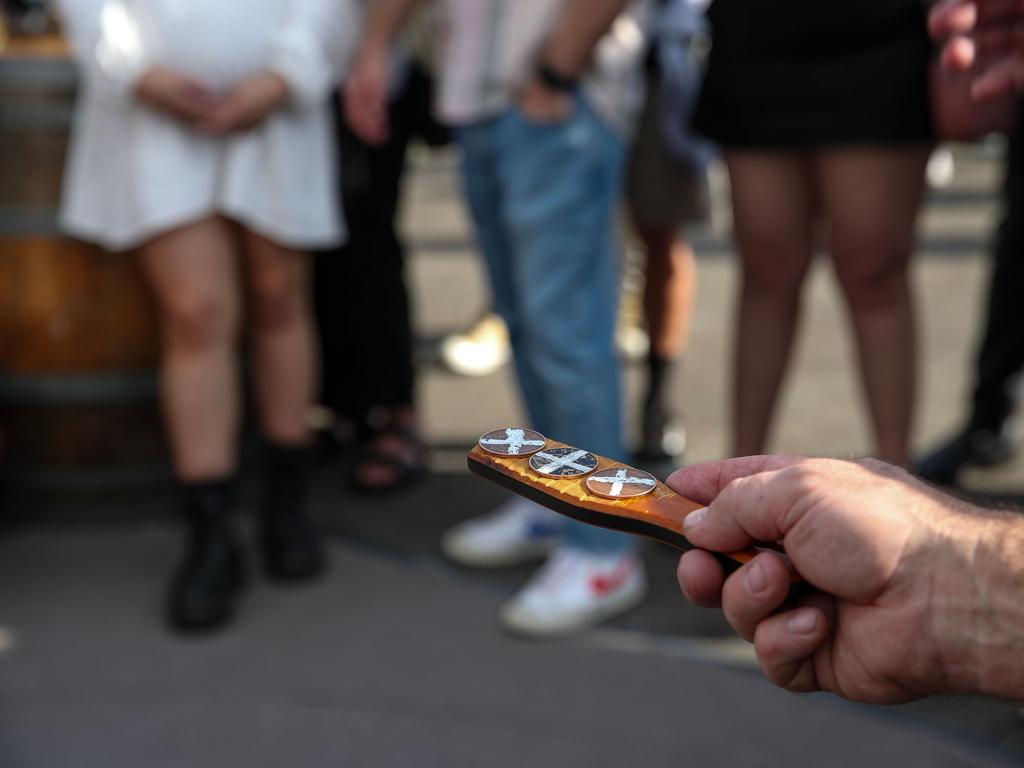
column 205, row 291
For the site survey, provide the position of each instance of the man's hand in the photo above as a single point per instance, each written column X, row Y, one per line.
column 366, row 95
column 173, row 93
column 986, row 33
column 874, row 543
column 247, row 104
column 544, row 105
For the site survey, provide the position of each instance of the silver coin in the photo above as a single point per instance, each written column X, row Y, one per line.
column 513, row 441
column 563, row 462
column 621, row 482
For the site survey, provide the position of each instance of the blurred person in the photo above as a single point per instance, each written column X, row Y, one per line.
column 988, row 437
column 667, row 189
column 538, row 109
column 822, row 113
column 214, row 162
column 375, row 397
column 890, row 616
column 910, row 591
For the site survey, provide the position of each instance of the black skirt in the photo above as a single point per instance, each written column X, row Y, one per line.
column 806, row 73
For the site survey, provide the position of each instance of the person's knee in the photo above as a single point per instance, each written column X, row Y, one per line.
column 197, row 319
column 276, row 299
column 873, row 271
column 775, row 267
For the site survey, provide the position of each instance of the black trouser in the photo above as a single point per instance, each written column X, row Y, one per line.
column 1001, row 356
column 362, row 304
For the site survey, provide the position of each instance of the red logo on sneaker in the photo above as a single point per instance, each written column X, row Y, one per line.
column 603, row 584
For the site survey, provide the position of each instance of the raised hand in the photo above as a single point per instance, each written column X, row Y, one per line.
column 987, row 34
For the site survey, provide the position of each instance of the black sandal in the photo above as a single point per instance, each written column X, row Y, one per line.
column 405, row 461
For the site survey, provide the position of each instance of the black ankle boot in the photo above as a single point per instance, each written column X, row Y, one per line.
column 211, row 573
column 970, row 447
column 291, row 544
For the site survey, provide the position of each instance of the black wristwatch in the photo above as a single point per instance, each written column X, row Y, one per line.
column 556, row 81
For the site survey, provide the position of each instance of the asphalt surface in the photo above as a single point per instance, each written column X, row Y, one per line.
column 395, row 659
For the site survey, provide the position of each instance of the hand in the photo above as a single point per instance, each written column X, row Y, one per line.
column 366, row 95
column 544, row 105
column 175, row 94
column 876, row 544
column 247, row 104
column 988, row 34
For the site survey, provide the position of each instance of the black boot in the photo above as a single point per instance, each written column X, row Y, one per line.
column 662, row 435
column 971, row 447
column 291, row 544
column 211, row 573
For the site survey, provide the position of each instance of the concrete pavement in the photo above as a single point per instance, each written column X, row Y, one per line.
column 394, row 659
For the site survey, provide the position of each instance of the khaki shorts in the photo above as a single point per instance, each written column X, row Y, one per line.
column 662, row 192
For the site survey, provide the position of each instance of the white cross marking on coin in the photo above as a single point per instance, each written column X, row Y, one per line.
column 513, row 441
column 563, row 462
column 621, row 483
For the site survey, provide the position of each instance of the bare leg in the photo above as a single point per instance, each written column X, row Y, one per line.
column 193, row 274
column 871, row 198
column 669, row 290
column 283, row 343
column 773, row 222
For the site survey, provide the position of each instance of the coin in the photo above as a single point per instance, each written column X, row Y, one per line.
column 563, row 462
column 621, row 482
column 513, row 441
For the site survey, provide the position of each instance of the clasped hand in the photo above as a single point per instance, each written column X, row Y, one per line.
column 185, row 98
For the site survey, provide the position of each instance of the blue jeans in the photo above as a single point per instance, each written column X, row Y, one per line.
column 543, row 199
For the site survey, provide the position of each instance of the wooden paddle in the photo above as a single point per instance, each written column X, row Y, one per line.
column 658, row 513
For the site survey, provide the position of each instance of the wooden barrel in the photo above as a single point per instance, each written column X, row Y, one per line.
column 78, row 344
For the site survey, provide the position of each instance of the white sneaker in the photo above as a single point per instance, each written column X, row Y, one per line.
column 482, row 349
column 516, row 532
column 575, row 590
column 941, row 168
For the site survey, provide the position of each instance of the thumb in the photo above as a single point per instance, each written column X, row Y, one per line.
column 750, row 509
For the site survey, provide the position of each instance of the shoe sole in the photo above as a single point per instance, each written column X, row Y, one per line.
column 470, row 558
column 522, row 625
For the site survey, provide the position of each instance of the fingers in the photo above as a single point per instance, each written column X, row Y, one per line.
column 703, row 482
column 960, row 17
column 234, row 114
column 701, row 578
column 786, row 644
column 959, row 54
column 978, row 31
column 755, row 592
column 192, row 100
column 223, row 120
column 1003, row 77
column 952, row 17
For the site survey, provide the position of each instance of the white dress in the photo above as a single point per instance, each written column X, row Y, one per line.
column 133, row 173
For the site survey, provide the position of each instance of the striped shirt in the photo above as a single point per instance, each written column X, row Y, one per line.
column 491, row 48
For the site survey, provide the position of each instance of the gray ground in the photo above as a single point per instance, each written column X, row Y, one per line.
column 394, row 658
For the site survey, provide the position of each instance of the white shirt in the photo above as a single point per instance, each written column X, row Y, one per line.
column 133, row 172
column 491, row 48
